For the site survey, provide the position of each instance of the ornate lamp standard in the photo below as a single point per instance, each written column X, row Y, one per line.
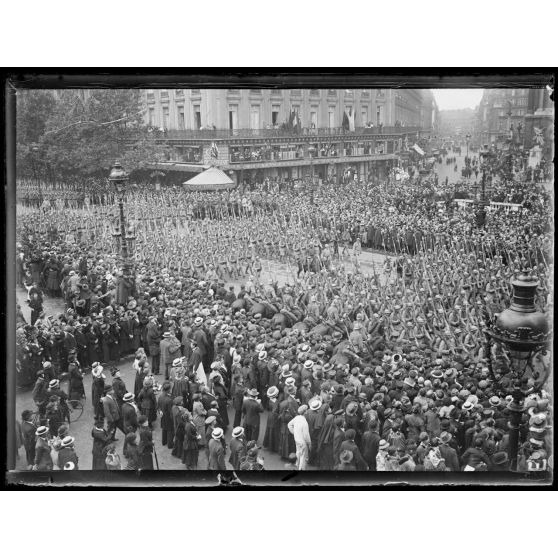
column 486, row 157
column 118, row 178
column 523, row 331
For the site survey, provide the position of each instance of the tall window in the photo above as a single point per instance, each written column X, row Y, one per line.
column 314, row 117
column 255, row 117
column 181, row 119
column 197, row 117
column 331, row 117
column 233, row 117
column 298, row 111
column 275, row 114
column 165, row 117
column 364, row 115
column 151, row 116
column 379, row 115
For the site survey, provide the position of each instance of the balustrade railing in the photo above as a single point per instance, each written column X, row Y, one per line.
column 281, row 132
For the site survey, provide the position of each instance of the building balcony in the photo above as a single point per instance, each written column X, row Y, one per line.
column 301, row 153
column 293, row 158
column 309, row 133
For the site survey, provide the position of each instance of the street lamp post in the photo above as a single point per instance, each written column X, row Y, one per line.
column 118, row 178
column 486, row 157
column 523, row 331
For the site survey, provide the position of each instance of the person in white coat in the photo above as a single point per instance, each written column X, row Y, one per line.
column 298, row 427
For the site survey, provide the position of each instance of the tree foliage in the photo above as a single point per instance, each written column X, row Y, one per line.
column 69, row 133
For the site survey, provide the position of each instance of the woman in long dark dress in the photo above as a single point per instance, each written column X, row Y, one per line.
column 76, row 389
column 221, row 395
column 272, row 430
column 190, row 447
column 147, row 401
column 287, row 411
column 325, row 445
column 338, row 438
column 178, row 449
column 52, row 279
column 145, row 446
column 100, row 441
column 131, row 452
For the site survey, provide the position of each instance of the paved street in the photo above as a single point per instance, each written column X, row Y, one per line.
column 370, row 262
column 444, row 170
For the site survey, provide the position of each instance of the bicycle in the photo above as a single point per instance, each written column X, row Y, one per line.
column 75, row 406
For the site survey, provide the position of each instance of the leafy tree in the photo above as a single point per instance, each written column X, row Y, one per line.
column 76, row 134
column 33, row 108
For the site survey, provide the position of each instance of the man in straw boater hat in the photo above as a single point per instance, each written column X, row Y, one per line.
column 43, row 459
column 217, row 451
column 67, row 453
column 238, row 447
column 130, row 413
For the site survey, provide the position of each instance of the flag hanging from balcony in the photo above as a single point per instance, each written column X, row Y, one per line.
column 345, row 123
column 298, row 125
column 290, row 122
column 214, row 151
column 351, row 120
